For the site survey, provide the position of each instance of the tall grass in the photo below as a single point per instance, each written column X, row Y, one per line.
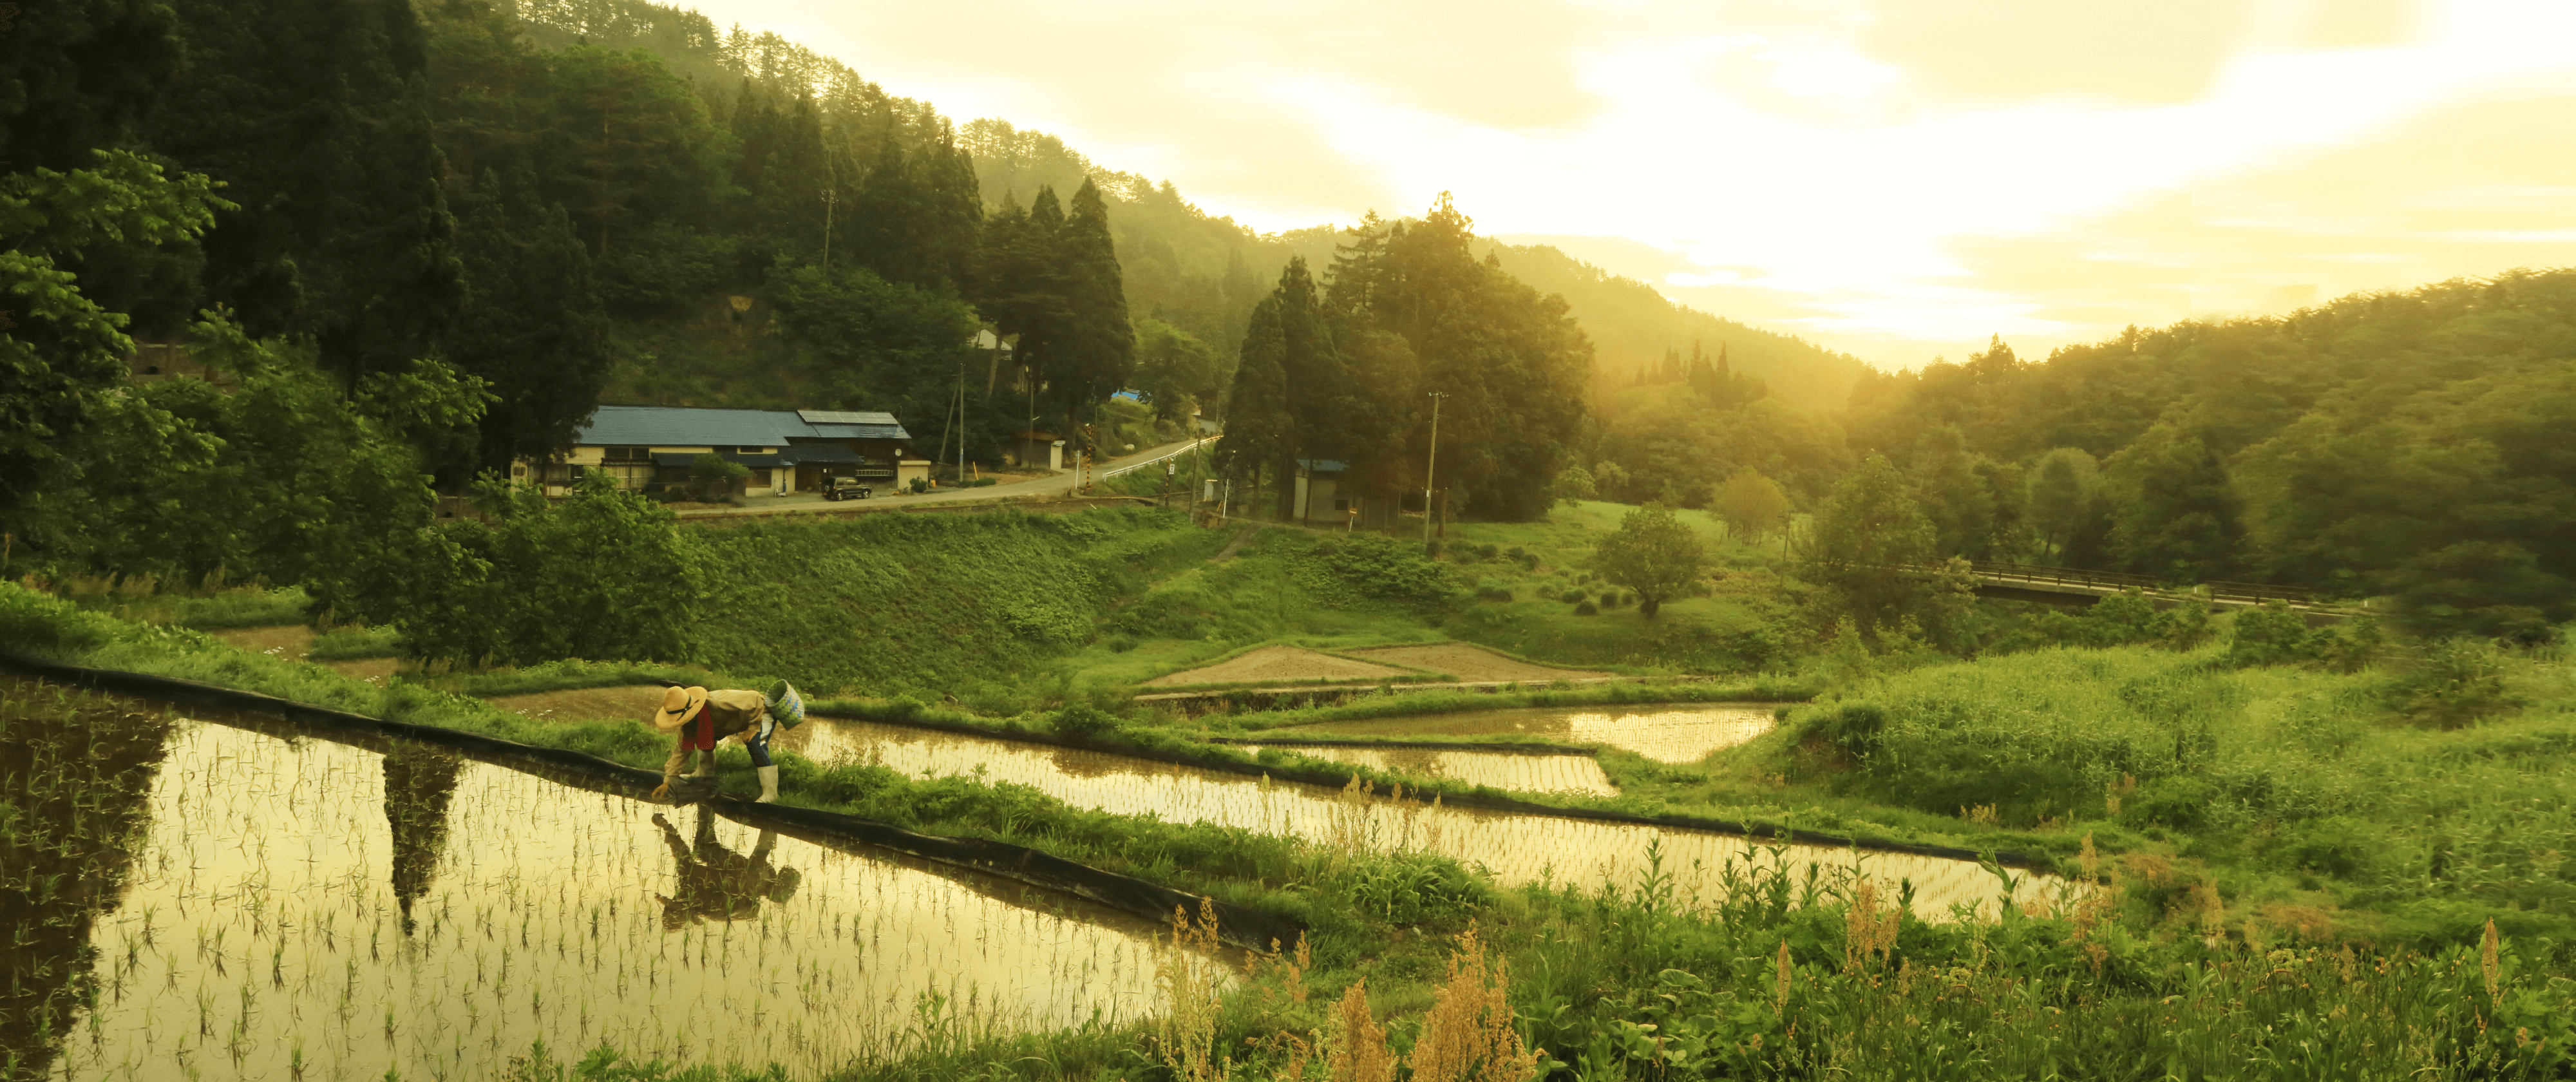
column 2320, row 789
column 1409, row 703
column 1809, row 975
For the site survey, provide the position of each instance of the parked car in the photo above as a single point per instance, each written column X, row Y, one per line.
column 847, row 488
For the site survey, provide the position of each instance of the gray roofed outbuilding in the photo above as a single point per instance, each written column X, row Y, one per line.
column 685, row 426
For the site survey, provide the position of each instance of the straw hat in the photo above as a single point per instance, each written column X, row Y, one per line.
column 678, row 706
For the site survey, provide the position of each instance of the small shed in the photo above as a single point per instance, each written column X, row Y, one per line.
column 1325, row 496
column 1033, row 447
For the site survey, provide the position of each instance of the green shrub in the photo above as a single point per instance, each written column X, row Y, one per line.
column 248, row 608
column 1586, row 608
column 714, row 477
column 604, row 575
column 2268, row 634
column 1573, row 596
column 350, row 643
column 2333, row 845
column 2459, row 683
column 2178, row 803
column 1371, row 567
column 1080, row 722
column 42, row 624
column 1852, row 730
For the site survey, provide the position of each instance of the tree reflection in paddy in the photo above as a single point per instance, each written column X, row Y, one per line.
column 266, row 906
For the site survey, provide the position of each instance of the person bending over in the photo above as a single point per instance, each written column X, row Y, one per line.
column 698, row 718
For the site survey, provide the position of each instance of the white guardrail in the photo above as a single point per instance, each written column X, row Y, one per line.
column 1134, row 466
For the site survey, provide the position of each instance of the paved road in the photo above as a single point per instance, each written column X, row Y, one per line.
column 1058, row 485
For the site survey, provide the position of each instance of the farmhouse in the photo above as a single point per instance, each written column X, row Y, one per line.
column 786, row 450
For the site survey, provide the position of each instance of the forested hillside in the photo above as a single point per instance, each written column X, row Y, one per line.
column 2407, row 443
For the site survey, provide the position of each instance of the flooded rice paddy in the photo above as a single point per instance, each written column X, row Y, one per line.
column 1520, row 772
column 258, row 906
column 1672, row 734
column 1515, row 848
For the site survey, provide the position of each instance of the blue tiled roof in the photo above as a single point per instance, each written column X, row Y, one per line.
column 666, row 426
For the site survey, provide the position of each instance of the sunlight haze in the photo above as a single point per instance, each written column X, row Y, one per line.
column 1895, row 179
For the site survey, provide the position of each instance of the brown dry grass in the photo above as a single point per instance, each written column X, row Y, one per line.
column 290, row 641
column 1279, row 663
column 1472, row 663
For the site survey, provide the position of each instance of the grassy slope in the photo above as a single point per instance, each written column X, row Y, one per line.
column 927, row 605
column 2026, row 998
column 1725, row 632
column 1793, row 977
column 2310, row 798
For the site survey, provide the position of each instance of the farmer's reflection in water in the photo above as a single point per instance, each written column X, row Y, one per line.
column 718, row 882
column 419, row 782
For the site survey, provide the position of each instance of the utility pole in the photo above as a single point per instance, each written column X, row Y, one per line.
column 1431, row 467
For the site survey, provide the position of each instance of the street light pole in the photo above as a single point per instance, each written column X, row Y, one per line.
column 1431, row 468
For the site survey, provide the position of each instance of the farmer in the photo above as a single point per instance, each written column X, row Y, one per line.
column 697, row 718
column 717, row 882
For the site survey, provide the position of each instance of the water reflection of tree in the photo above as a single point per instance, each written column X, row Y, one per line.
column 717, row 882
column 1075, row 762
column 419, row 783
column 75, row 772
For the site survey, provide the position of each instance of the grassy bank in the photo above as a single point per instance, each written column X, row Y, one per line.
column 1793, row 975
column 2361, row 801
column 925, row 605
column 1407, row 703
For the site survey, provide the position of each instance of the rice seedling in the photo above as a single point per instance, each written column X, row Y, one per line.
column 1670, row 734
column 277, row 851
column 1512, row 848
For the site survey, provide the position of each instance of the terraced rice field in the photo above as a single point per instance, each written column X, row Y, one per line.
column 295, row 908
column 1515, row 848
column 1672, row 734
column 1520, row 772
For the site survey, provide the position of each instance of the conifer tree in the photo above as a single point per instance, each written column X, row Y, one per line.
column 888, row 224
column 1260, row 431
column 1098, row 349
column 954, row 205
column 315, row 115
column 76, row 75
column 532, row 325
column 1018, row 283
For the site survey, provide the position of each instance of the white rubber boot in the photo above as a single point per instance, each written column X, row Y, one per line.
column 706, row 767
column 768, row 785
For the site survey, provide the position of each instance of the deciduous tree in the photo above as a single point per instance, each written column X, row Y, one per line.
column 1751, row 505
column 1871, row 544
column 1652, row 553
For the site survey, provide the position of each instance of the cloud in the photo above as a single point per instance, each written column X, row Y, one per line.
column 1895, row 177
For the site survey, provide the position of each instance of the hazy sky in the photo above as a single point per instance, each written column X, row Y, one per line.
column 1899, row 178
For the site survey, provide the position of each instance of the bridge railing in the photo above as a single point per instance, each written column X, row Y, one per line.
column 2252, row 592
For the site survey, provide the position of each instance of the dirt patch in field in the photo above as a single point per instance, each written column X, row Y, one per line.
column 1280, row 663
column 1472, row 663
column 289, row 641
column 374, row 670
